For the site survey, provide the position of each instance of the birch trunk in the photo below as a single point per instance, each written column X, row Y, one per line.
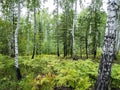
column 73, row 30
column 16, row 44
column 104, row 72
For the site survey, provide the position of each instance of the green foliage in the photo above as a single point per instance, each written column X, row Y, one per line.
column 26, row 83
column 4, row 36
column 7, row 73
column 115, row 78
column 44, row 82
column 46, row 72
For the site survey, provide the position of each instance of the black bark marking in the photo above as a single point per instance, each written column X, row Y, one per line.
column 18, row 74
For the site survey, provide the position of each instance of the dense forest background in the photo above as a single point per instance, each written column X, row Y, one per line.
column 58, row 50
column 53, row 31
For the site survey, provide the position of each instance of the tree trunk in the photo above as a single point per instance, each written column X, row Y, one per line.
column 57, row 34
column 86, row 38
column 73, row 30
column 65, row 31
column 65, row 48
column 18, row 74
column 94, row 36
column 40, row 37
column 34, row 48
column 104, row 72
column 11, row 40
column 28, row 30
column 48, row 41
column 80, row 49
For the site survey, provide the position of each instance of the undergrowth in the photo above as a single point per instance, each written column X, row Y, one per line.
column 47, row 72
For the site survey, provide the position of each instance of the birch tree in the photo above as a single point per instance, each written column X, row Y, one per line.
column 73, row 29
column 107, row 57
column 16, row 44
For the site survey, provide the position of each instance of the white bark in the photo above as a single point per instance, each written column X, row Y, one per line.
column 16, row 36
column 108, row 49
column 73, row 27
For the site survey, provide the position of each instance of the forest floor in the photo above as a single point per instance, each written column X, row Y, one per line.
column 48, row 72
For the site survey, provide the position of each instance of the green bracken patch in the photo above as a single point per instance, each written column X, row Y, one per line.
column 47, row 72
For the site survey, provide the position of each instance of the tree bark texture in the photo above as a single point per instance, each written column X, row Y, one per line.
column 104, row 72
column 18, row 74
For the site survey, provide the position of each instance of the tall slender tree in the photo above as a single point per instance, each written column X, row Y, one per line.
column 7, row 9
column 16, row 44
column 28, row 29
column 96, row 4
column 57, row 33
column 73, row 29
column 94, row 50
column 34, row 48
column 11, row 36
column 104, row 71
column 58, row 51
column 86, row 36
